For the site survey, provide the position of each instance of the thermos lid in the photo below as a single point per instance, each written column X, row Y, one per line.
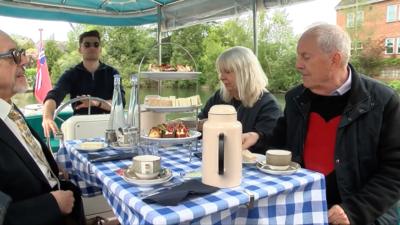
column 222, row 110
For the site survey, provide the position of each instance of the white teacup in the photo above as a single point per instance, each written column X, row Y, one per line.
column 146, row 166
column 278, row 159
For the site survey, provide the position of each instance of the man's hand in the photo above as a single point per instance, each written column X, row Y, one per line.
column 336, row 216
column 49, row 125
column 65, row 200
column 86, row 103
column 249, row 139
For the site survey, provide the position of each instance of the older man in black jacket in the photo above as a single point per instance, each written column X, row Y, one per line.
column 28, row 172
column 346, row 126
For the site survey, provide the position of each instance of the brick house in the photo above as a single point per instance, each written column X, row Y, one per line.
column 374, row 26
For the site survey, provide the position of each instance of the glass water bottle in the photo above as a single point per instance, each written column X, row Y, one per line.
column 117, row 120
column 133, row 110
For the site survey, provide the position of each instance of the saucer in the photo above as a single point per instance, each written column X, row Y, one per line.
column 293, row 167
column 90, row 146
column 259, row 158
column 130, row 177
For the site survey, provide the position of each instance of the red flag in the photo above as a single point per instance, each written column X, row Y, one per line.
column 42, row 83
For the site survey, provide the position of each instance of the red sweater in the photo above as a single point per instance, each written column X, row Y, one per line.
column 320, row 142
column 319, row 145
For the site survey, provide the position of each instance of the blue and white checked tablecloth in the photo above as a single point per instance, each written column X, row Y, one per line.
column 292, row 199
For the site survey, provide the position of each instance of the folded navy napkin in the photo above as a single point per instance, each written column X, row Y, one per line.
column 113, row 157
column 178, row 193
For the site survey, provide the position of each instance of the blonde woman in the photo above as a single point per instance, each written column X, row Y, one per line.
column 243, row 85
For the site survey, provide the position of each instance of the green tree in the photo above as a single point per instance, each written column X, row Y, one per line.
column 124, row 47
column 63, row 63
column 369, row 61
column 212, row 48
column 220, row 37
column 277, row 51
column 73, row 38
column 53, row 52
column 30, row 74
column 23, row 42
column 190, row 39
column 395, row 84
column 62, row 56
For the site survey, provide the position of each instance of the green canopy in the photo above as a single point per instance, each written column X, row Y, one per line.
column 171, row 14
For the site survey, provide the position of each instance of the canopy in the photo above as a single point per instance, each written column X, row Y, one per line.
column 173, row 13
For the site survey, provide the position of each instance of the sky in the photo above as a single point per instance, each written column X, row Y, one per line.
column 30, row 28
column 302, row 16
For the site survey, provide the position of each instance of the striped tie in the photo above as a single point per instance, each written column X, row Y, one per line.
column 26, row 134
column 33, row 145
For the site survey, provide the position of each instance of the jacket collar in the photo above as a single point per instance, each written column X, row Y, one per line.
column 359, row 94
column 360, row 100
column 80, row 66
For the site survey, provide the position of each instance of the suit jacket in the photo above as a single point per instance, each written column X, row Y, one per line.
column 24, row 182
column 4, row 202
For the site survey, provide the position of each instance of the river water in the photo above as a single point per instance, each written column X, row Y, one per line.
column 22, row 100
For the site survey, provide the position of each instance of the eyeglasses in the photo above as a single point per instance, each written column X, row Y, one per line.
column 91, row 44
column 16, row 54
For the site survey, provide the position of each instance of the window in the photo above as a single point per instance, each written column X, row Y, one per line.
column 399, row 13
column 356, row 18
column 359, row 17
column 391, row 13
column 398, row 45
column 389, row 45
column 350, row 20
column 358, row 45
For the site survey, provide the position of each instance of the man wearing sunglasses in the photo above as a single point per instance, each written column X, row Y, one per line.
column 28, row 171
column 90, row 77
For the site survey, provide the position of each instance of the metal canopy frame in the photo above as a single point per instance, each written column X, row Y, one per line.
column 168, row 14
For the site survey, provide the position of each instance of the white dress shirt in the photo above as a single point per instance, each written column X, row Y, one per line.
column 346, row 86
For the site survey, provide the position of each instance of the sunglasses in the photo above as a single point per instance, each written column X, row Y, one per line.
column 16, row 54
column 91, row 44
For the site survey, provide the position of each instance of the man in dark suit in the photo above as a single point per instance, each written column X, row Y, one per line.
column 28, row 172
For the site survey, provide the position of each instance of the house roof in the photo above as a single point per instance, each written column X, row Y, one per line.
column 343, row 4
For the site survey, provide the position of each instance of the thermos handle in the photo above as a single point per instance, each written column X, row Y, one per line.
column 221, row 154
